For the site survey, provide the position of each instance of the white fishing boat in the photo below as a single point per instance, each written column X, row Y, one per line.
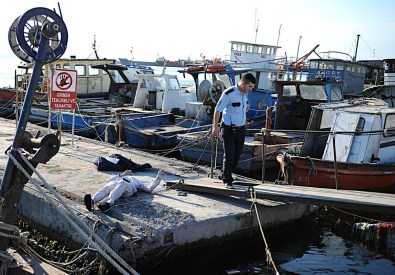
column 348, row 145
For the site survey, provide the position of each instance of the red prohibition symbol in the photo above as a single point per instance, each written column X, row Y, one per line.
column 64, row 81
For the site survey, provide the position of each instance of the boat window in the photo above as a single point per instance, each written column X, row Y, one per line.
column 173, row 84
column 354, row 69
column 330, row 65
column 348, row 67
column 93, row 71
column 66, row 66
column 160, row 83
column 360, row 126
column 58, row 66
column 389, row 125
column 339, row 66
column 225, row 79
column 289, row 90
column 336, row 94
column 117, row 77
column 313, row 92
column 313, row 64
column 363, row 70
column 268, row 50
column 81, row 70
column 143, row 84
column 250, row 49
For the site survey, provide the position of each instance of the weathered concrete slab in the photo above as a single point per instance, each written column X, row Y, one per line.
column 145, row 222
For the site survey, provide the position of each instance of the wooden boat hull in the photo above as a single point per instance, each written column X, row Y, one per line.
column 353, row 176
column 197, row 148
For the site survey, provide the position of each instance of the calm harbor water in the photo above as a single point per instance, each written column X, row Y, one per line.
column 304, row 248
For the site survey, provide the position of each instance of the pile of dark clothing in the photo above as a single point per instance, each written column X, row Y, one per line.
column 117, row 162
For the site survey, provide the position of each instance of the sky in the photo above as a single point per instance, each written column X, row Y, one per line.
column 180, row 29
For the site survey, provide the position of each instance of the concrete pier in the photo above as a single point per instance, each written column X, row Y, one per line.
column 144, row 223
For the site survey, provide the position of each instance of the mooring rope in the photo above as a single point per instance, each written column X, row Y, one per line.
column 267, row 250
column 76, row 218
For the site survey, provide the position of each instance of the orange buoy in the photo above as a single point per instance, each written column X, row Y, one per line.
column 195, row 69
column 215, row 68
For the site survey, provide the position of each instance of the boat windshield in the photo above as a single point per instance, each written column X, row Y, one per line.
column 159, row 83
column 313, row 92
column 336, row 94
column 174, row 84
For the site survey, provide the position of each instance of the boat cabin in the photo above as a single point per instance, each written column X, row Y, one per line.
column 295, row 100
column 352, row 74
column 161, row 92
column 389, row 71
column 358, row 131
column 252, row 55
column 91, row 82
column 121, row 89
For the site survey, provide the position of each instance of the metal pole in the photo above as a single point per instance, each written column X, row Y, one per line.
column 263, row 154
column 212, row 156
column 297, row 53
column 16, row 98
column 335, row 161
column 72, row 129
column 297, row 56
column 13, row 181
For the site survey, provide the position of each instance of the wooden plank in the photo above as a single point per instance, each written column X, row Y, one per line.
column 347, row 199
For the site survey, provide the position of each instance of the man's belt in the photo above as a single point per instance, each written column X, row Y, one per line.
column 235, row 128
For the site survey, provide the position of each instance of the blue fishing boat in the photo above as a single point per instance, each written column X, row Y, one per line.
column 351, row 74
column 149, row 132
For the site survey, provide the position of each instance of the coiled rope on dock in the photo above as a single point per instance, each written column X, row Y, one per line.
column 98, row 244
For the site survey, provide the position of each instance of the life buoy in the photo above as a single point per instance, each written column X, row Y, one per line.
column 194, row 69
column 215, row 68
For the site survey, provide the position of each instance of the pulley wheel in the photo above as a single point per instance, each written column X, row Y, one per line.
column 26, row 32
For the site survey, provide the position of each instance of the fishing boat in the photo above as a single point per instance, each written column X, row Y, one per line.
column 163, row 95
column 347, row 145
column 117, row 100
column 293, row 108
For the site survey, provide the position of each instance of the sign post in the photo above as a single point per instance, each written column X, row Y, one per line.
column 63, row 92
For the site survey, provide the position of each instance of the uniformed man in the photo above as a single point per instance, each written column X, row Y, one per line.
column 233, row 104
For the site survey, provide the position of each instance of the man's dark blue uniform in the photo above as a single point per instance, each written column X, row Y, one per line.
column 233, row 104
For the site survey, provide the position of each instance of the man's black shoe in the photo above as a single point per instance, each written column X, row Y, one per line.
column 104, row 206
column 229, row 185
column 88, row 201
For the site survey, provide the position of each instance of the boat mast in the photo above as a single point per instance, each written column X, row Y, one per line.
column 356, row 49
column 131, row 56
column 279, row 31
column 257, row 26
column 94, row 47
